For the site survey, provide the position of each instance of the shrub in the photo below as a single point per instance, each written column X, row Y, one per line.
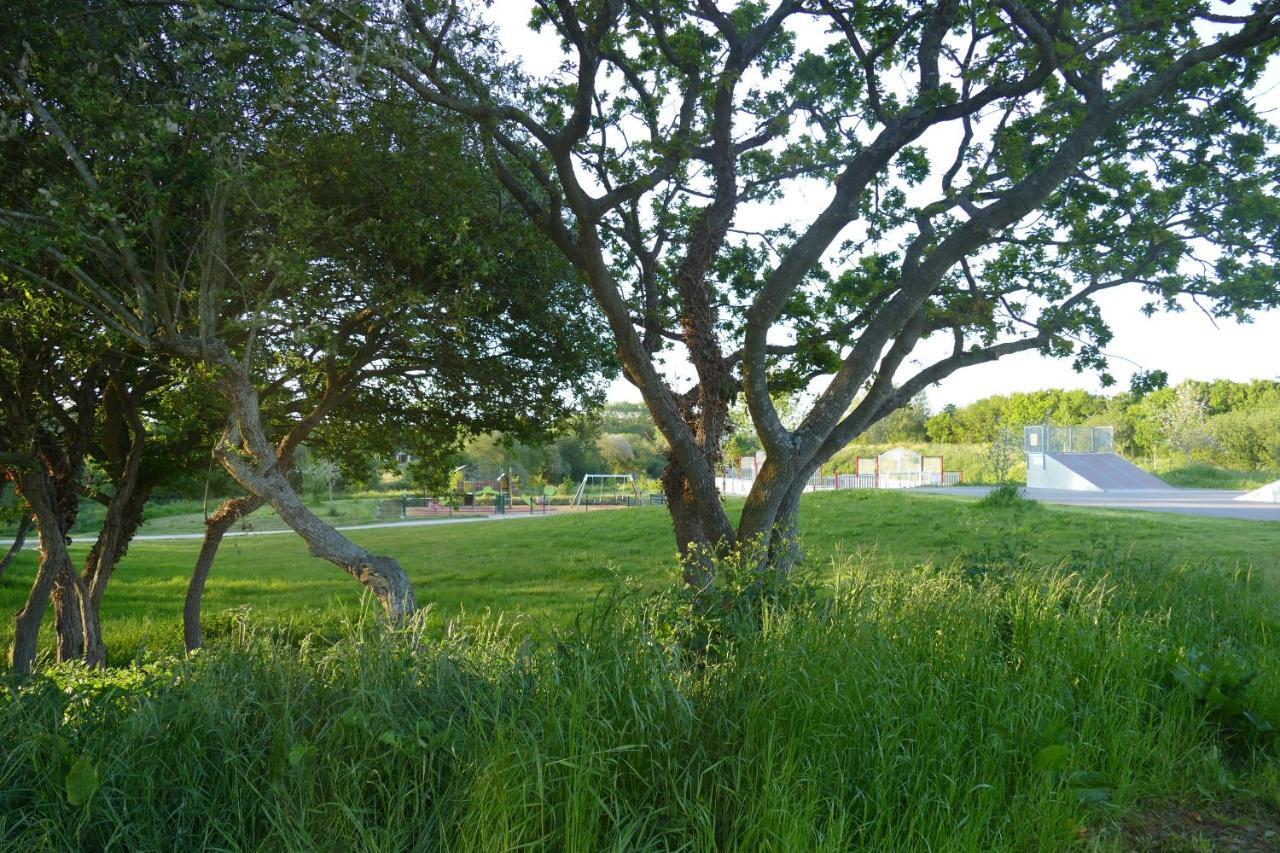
column 1006, row 496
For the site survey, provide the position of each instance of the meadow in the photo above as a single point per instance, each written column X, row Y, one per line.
column 963, row 676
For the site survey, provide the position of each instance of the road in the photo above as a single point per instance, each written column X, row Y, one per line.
column 150, row 537
column 1216, row 503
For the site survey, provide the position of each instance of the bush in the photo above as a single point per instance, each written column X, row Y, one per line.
column 1006, row 496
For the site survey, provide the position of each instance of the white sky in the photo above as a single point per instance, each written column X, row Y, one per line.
column 1189, row 345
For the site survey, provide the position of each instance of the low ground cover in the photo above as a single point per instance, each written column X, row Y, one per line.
column 965, row 677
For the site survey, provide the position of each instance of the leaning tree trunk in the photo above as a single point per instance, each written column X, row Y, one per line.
column 19, row 539
column 254, row 463
column 226, row 515
column 381, row 575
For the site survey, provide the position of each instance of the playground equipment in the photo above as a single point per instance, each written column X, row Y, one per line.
column 1081, row 459
column 606, row 490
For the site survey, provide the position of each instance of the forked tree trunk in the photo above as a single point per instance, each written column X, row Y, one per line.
column 253, row 462
column 78, row 602
column 222, row 520
column 54, row 561
column 19, row 539
column 77, row 625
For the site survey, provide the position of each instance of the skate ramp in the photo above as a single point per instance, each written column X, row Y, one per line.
column 1091, row 472
column 1268, row 494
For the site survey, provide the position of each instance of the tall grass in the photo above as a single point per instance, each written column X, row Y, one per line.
column 989, row 704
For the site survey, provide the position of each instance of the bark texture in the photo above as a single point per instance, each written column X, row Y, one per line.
column 53, row 562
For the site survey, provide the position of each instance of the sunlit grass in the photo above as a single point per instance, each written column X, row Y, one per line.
column 550, row 569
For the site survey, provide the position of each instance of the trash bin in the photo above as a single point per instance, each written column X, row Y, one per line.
column 469, row 499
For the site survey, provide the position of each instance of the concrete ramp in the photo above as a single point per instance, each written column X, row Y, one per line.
column 1268, row 494
column 1089, row 472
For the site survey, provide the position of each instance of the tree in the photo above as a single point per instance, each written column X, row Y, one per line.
column 905, row 424
column 1088, row 147
column 323, row 475
column 1184, row 421
column 71, row 397
column 225, row 221
column 617, row 452
column 1003, row 453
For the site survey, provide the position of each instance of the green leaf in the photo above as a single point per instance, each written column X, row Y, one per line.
column 354, row 718
column 1092, row 796
column 81, row 781
column 1052, row 757
column 298, row 754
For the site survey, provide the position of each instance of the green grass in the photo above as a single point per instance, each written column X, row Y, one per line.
column 549, row 569
column 1200, row 475
column 1016, row 677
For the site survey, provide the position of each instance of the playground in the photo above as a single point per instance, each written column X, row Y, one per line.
column 502, row 497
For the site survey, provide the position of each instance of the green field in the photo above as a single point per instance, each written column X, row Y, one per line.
column 546, row 570
column 966, row 677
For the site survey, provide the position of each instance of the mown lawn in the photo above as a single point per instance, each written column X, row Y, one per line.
column 546, row 570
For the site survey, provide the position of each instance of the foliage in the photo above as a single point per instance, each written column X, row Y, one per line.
column 983, row 420
column 906, row 424
column 1220, row 685
column 1226, row 423
column 1183, row 422
column 1003, row 454
column 1006, row 496
column 350, row 250
column 742, row 596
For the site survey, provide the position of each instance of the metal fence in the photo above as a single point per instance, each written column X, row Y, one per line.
column 732, row 484
column 1069, row 439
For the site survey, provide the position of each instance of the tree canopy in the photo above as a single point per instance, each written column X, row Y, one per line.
column 332, row 266
column 981, row 173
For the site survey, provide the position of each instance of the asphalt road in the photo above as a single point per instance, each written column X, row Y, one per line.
column 1209, row 502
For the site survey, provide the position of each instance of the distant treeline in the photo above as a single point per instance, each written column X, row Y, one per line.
column 619, row 439
column 1232, row 424
column 1229, row 424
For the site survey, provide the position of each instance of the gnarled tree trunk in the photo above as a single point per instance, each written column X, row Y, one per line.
column 54, row 561
column 256, row 465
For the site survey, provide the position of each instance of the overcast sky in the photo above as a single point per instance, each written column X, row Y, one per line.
column 1189, row 345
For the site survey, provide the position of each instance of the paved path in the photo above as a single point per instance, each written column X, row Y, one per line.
column 1218, row 503
column 32, row 540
